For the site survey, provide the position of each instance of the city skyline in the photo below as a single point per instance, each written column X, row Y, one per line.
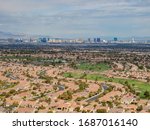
column 76, row 18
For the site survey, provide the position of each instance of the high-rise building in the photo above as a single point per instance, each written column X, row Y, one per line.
column 115, row 39
column 133, row 40
column 95, row 40
column 43, row 39
column 98, row 40
column 89, row 40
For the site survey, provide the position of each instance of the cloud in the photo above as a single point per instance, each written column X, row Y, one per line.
column 66, row 17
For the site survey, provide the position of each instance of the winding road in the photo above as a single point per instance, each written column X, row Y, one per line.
column 95, row 96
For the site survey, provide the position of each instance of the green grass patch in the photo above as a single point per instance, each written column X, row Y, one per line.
column 93, row 67
column 135, row 84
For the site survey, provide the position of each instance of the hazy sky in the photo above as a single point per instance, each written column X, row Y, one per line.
column 76, row 18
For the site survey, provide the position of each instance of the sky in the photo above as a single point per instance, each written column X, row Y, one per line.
column 76, row 18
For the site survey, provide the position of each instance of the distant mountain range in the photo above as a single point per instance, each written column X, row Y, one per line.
column 21, row 35
column 13, row 35
column 10, row 35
